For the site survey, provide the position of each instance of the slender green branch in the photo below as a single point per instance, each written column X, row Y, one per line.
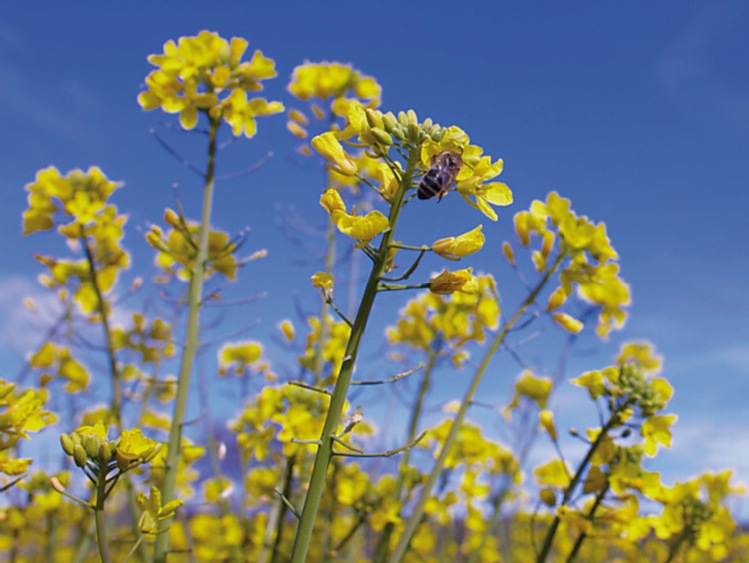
column 395, row 287
column 340, row 313
column 396, row 377
column 191, row 340
column 614, row 420
column 411, row 269
column 581, row 538
column 304, row 385
column 452, row 436
column 333, row 417
column 388, row 453
column 101, row 308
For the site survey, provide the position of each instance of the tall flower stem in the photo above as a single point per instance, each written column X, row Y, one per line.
column 338, row 398
column 426, row 491
column 101, row 529
column 195, row 297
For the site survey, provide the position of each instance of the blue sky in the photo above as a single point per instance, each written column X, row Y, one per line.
column 638, row 112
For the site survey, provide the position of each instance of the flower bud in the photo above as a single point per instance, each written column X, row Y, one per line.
column 79, row 456
column 403, row 118
column 67, row 444
column 91, row 445
column 105, row 453
column 389, row 122
column 374, row 118
column 381, row 136
column 547, row 496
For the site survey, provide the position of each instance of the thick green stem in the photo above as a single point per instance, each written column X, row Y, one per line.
column 337, row 400
column 426, row 490
column 101, row 529
column 195, row 297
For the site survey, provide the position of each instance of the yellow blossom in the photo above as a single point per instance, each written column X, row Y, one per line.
column 568, row 323
column 134, row 448
column 449, row 282
column 657, row 430
column 330, row 147
column 546, row 418
column 324, row 282
column 455, row 248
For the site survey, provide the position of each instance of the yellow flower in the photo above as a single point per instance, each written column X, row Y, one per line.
column 537, row 389
column 455, row 248
column 553, row 473
column 324, row 282
column 546, row 418
column 331, row 79
column 238, row 356
column 568, row 323
column 330, row 147
column 153, row 511
column 448, row 282
column 195, row 72
column 134, row 448
column 362, row 228
column 657, row 430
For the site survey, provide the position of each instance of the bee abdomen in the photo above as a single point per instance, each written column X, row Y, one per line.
column 431, row 185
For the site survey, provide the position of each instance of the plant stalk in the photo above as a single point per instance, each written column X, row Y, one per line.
column 337, row 400
column 195, row 297
column 426, row 491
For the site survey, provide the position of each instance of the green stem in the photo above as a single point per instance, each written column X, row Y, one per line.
column 452, row 436
column 101, row 308
column 333, row 417
column 195, row 296
column 114, row 371
column 613, row 420
column 581, row 538
column 101, row 529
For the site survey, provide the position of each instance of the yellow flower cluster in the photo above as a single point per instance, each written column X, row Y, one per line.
column 339, row 83
column 591, row 268
column 459, row 320
column 20, row 413
column 90, row 448
column 241, row 358
column 177, row 249
column 94, row 225
column 379, row 131
column 205, row 73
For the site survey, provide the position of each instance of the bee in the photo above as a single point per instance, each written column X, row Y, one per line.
column 439, row 179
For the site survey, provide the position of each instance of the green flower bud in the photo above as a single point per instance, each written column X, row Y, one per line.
column 381, row 136
column 79, row 456
column 427, row 124
column 389, row 122
column 67, row 444
column 91, row 444
column 106, row 453
column 374, row 118
column 412, row 119
column 403, row 118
